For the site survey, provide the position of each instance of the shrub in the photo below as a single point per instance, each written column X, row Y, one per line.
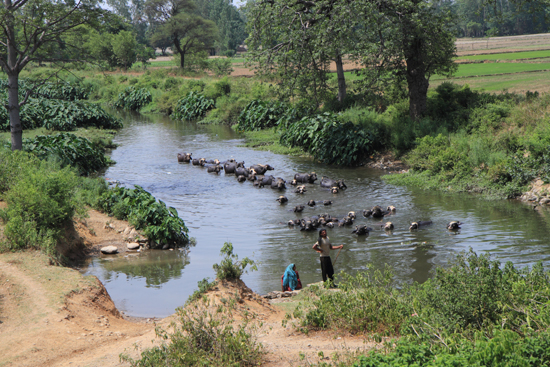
column 133, row 99
column 161, row 224
column 220, row 66
column 329, row 140
column 69, row 150
column 193, row 106
column 203, row 338
column 40, row 200
column 61, row 116
column 231, row 267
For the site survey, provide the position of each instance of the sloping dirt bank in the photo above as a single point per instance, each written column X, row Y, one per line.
column 53, row 316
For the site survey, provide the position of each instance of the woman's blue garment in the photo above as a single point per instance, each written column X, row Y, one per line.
column 290, row 279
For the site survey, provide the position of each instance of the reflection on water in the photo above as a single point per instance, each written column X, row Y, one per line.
column 217, row 208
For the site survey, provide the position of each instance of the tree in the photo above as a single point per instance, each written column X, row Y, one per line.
column 124, row 48
column 27, row 28
column 295, row 41
column 176, row 20
column 408, row 39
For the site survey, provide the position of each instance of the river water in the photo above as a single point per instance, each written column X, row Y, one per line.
column 218, row 209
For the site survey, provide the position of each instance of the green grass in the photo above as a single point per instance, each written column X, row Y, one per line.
column 509, row 55
column 268, row 139
column 520, row 82
column 469, row 70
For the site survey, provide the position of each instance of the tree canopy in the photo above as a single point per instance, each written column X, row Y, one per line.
column 32, row 30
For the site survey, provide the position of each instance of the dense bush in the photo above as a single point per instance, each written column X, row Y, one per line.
column 231, row 267
column 204, row 336
column 193, row 106
column 329, row 140
column 40, row 198
column 69, row 150
column 161, row 224
column 260, row 114
column 61, row 116
column 133, row 99
column 68, row 91
column 505, row 348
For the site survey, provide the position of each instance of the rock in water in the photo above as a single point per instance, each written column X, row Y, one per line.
column 109, row 250
column 133, row 246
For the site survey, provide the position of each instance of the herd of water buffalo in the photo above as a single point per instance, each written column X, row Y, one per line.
column 257, row 175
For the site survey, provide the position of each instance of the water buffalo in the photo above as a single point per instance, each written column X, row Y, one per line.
column 328, row 182
column 391, row 208
column 454, row 225
column 300, row 189
column 361, row 230
column 242, row 171
column 282, row 199
column 306, row 177
column 184, row 157
column 352, row 215
column 294, row 182
column 330, row 224
column 230, row 167
column 199, row 162
column 420, row 223
column 327, row 202
column 298, row 208
column 311, row 203
column 261, row 168
column 290, row 223
column 367, row 213
column 346, row 221
column 241, row 178
column 213, row 161
column 306, row 225
column 217, row 168
column 278, row 183
column 377, row 212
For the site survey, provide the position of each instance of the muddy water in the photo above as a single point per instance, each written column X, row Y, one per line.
column 217, row 208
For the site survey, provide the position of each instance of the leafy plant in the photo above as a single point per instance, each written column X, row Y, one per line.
column 61, row 116
column 193, row 106
column 133, row 99
column 329, row 140
column 161, row 224
column 260, row 114
column 70, row 150
column 231, row 267
column 204, row 286
column 203, row 337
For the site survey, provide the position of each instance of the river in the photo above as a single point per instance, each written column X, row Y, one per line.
column 218, row 209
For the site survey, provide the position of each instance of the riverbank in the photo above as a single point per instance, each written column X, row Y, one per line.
column 52, row 315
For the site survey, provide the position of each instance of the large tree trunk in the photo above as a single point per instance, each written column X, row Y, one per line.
column 416, row 79
column 13, row 112
column 13, row 83
column 341, row 79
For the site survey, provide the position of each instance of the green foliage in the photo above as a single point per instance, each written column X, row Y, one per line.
column 231, row 267
column 220, row 67
column 506, row 348
column 61, row 116
column 204, row 286
column 364, row 303
column 328, row 140
column 193, row 106
column 260, row 114
column 124, row 48
column 161, row 224
column 133, row 99
column 40, row 199
column 65, row 90
column 203, row 338
column 69, row 150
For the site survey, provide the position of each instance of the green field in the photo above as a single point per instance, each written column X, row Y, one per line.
column 469, row 70
column 508, row 56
